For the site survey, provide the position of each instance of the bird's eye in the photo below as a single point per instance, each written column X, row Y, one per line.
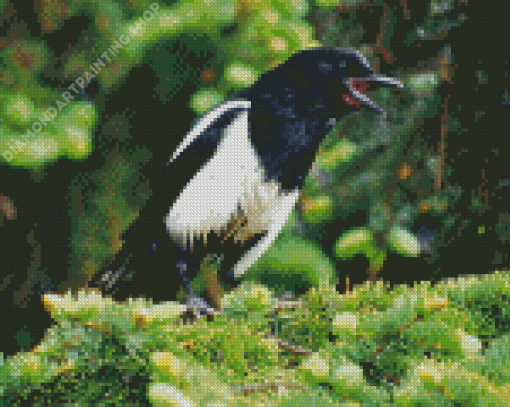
column 325, row 67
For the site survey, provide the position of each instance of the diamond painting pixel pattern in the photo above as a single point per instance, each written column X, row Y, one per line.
column 248, row 158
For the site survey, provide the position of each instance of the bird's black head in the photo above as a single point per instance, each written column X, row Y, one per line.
column 333, row 78
column 295, row 104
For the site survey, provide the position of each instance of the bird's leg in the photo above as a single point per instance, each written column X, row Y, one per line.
column 182, row 267
column 184, row 261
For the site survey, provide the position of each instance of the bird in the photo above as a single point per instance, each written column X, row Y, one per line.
column 242, row 164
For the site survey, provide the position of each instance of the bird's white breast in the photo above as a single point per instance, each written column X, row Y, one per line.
column 231, row 185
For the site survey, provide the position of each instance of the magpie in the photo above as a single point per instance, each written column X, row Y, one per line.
column 245, row 161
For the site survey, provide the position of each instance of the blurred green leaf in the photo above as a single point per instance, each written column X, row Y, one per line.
column 290, row 263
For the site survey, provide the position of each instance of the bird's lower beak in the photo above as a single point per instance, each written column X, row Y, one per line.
column 357, row 87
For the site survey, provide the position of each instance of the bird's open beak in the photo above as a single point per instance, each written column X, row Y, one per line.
column 358, row 85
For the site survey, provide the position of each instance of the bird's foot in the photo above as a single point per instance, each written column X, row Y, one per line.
column 198, row 306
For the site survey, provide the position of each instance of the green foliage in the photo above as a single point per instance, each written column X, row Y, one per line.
column 24, row 338
column 421, row 343
column 104, row 198
column 167, row 60
column 359, row 241
column 290, row 263
column 68, row 135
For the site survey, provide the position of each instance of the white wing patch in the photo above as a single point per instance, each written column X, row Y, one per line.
column 205, row 121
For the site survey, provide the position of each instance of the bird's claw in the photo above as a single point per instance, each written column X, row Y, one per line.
column 198, row 306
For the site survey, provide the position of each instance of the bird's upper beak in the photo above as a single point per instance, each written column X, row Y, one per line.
column 357, row 86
